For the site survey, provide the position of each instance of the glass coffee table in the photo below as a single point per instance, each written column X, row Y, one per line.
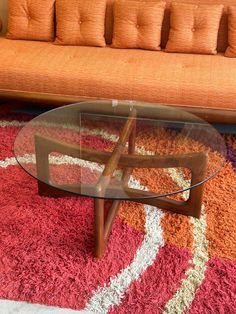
column 110, row 150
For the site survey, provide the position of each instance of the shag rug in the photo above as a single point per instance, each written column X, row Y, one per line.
column 155, row 261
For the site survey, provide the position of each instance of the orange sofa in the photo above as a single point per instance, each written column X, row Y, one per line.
column 48, row 73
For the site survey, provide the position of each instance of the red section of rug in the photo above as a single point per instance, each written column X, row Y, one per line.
column 217, row 293
column 158, row 284
column 46, row 245
column 7, row 135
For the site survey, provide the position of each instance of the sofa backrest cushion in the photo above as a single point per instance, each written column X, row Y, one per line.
column 31, row 20
column 223, row 29
column 137, row 24
column 194, row 28
column 80, row 22
column 231, row 50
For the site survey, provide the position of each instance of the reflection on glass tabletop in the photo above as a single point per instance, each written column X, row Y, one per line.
column 120, row 149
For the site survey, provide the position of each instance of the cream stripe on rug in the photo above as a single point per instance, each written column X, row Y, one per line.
column 114, row 292
column 195, row 276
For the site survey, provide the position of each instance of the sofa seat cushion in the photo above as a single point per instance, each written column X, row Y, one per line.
column 231, row 50
column 91, row 72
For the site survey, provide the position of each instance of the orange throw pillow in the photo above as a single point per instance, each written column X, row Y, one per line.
column 81, row 22
column 31, row 20
column 194, row 28
column 137, row 24
column 231, row 50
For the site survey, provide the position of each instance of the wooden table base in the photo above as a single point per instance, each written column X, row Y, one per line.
column 196, row 162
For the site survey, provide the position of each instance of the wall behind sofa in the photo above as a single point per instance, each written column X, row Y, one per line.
column 3, row 13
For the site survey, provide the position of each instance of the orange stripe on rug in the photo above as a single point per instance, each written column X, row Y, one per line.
column 220, row 196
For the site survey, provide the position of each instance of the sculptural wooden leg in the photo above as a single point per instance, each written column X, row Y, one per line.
column 103, row 228
column 99, row 226
column 196, row 162
column 131, row 150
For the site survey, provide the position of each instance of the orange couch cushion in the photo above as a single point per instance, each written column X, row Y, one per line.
column 194, row 28
column 137, row 24
column 231, row 50
column 31, row 20
column 197, row 80
column 81, row 22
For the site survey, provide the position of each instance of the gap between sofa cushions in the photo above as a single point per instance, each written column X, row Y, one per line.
column 31, row 20
column 231, row 50
column 81, row 22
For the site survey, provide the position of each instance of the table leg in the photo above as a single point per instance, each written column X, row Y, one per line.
column 99, row 226
column 103, row 226
column 131, row 150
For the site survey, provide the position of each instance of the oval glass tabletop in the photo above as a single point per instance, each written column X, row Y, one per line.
column 120, row 150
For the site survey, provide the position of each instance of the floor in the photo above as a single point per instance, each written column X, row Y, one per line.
column 35, row 110
column 13, row 307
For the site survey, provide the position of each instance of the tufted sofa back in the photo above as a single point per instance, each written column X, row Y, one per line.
column 223, row 31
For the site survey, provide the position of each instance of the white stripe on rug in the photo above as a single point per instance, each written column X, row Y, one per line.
column 114, row 292
column 6, row 123
column 76, row 128
column 184, row 296
column 60, row 160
